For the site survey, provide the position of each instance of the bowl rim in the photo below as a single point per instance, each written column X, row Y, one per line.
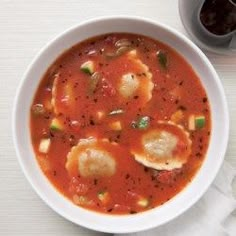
column 208, row 181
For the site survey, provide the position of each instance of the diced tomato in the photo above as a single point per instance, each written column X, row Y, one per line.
column 165, row 176
column 77, row 187
column 175, row 93
column 82, row 188
column 74, row 181
column 107, row 89
column 75, row 125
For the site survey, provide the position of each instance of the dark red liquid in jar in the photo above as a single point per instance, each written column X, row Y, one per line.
column 219, row 16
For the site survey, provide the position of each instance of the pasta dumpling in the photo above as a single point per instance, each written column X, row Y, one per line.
column 90, row 158
column 138, row 80
column 128, row 85
column 164, row 148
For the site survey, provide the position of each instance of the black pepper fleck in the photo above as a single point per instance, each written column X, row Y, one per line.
column 133, row 212
column 183, row 108
column 127, row 176
column 91, row 122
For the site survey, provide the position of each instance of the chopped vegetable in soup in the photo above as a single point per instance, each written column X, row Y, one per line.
column 120, row 123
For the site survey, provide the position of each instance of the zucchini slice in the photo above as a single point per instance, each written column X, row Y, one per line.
column 200, row 122
column 87, row 67
column 162, row 58
column 103, row 196
column 142, row 123
column 196, row 122
column 56, row 125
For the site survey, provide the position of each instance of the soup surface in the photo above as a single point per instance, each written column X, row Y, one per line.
column 120, row 123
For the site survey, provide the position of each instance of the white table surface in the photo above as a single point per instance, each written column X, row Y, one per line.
column 25, row 27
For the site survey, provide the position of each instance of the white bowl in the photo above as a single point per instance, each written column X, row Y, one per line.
column 159, row 215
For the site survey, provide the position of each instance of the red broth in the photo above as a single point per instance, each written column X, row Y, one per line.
column 86, row 105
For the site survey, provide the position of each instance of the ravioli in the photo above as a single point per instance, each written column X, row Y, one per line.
column 90, row 159
column 166, row 147
column 129, row 84
column 138, row 81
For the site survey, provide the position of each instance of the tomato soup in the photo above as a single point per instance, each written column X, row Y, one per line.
column 120, row 123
